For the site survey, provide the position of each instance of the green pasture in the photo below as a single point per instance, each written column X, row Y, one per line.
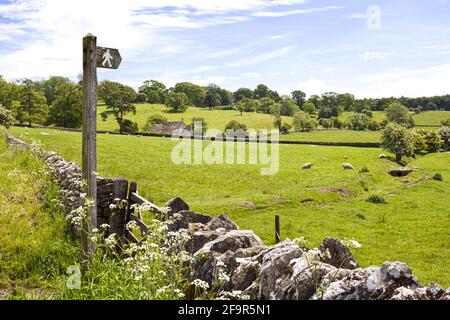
column 325, row 201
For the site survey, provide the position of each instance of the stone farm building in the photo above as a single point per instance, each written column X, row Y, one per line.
column 177, row 127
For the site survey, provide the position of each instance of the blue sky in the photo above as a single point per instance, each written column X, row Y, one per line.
column 312, row 45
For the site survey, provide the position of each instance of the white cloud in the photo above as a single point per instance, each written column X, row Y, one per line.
column 276, row 14
column 263, row 57
column 374, row 55
column 280, row 36
column 395, row 82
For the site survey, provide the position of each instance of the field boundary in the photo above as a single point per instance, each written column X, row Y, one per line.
column 208, row 138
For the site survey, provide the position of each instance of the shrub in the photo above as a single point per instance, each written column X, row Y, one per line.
column 128, row 126
column 438, row 177
column 235, row 125
column 444, row 134
column 445, row 122
column 426, row 141
column 376, row 199
column 358, row 121
column 374, row 126
column 6, row 117
column 364, row 170
column 104, row 115
column 285, row 128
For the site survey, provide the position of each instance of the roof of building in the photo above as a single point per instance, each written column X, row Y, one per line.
column 169, row 127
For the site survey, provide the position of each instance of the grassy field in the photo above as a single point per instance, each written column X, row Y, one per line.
column 215, row 119
column 325, row 201
column 431, row 118
column 334, row 136
column 35, row 247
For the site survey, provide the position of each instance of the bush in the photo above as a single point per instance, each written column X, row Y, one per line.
column 358, row 121
column 235, row 125
column 376, row 199
column 285, row 128
column 426, row 141
column 444, row 134
column 6, row 117
column 128, row 126
column 104, row 115
column 445, row 122
column 364, row 170
column 374, row 126
column 438, row 177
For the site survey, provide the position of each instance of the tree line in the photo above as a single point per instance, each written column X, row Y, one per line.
column 58, row 101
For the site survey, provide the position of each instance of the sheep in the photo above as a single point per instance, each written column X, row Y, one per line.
column 347, row 166
column 346, row 157
column 307, row 165
column 382, row 156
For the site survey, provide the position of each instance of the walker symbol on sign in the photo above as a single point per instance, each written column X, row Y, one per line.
column 107, row 58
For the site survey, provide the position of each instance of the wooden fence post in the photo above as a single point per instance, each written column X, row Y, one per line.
column 89, row 163
column 277, row 229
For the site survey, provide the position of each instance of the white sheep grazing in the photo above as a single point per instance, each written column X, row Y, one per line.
column 381, row 156
column 307, row 165
column 345, row 157
column 347, row 166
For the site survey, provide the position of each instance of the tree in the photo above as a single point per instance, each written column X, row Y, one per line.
column 6, row 117
column 211, row 100
column 299, row 97
column 50, row 87
column 152, row 120
column 358, row 121
column 177, row 102
column 265, row 105
column 197, row 124
column 315, row 100
column 242, row 93
column 288, row 107
column 9, row 94
column 398, row 113
column 33, row 106
column 346, row 101
column 431, row 106
column 329, row 106
column 276, row 112
column 67, row 108
column 309, row 108
column 261, row 91
column 119, row 99
column 194, row 93
column 303, row 121
column 154, row 91
column 396, row 139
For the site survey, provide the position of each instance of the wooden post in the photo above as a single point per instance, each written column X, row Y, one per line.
column 277, row 229
column 89, row 160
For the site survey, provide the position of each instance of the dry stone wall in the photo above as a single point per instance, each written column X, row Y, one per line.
column 230, row 259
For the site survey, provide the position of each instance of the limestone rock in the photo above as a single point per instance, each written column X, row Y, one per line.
column 176, row 205
column 340, row 255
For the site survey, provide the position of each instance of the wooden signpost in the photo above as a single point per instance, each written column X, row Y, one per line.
column 93, row 57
